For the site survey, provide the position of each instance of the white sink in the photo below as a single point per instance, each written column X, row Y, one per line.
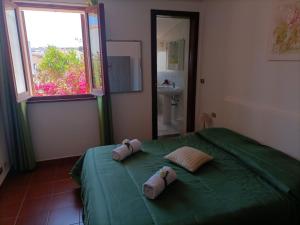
column 168, row 90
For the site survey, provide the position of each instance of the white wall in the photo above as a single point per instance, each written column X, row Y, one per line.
column 250, row 94
column 63, row 129
column 3, row 152
column 68, row 128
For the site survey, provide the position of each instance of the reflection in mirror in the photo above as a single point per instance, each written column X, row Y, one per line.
column 124, row 66
column 172, row 74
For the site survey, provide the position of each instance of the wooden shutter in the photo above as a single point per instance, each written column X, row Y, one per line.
column 16, row 50
column 95, row 20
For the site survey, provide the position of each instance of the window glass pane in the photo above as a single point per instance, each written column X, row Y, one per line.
column 15, row 51
column 96, row 55
column 56, row 53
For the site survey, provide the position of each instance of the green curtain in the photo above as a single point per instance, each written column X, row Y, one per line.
column 105, row 120
column 104, row 102
column 14, row 115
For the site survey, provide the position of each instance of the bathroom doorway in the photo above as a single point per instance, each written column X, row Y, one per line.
column 174, row 43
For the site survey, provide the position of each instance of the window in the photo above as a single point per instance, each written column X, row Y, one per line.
column 56, row 51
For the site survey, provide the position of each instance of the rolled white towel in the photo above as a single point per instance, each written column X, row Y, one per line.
column 127, row 148
column 158, row 182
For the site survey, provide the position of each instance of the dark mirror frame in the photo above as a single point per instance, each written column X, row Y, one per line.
column 192, row 64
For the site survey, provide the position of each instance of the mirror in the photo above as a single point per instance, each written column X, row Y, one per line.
column 124, row 66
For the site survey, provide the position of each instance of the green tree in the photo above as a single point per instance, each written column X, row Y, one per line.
column 56, row 63
column 72, row 59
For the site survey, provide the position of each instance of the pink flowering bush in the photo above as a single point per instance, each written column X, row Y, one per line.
column 60, row 73
column 73, row 83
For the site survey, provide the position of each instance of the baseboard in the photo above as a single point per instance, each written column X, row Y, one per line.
column 54, row 159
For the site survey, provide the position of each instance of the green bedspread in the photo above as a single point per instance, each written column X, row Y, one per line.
column 246, row 183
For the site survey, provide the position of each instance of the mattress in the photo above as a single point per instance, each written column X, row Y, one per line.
column 246, row 183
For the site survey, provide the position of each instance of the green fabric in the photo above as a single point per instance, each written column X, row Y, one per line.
column 224, row 191
column 14, row 115
column 105, row 120
column 278, row 168
column 76, row 170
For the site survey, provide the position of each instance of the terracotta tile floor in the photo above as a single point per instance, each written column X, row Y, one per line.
column 46, row 196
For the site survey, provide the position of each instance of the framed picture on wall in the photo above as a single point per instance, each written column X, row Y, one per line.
column 284, row 41
column 175, row 55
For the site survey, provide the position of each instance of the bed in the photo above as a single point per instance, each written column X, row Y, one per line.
column 246, row 183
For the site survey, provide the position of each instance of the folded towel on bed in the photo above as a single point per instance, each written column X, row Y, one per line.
column 158, row 182
column 127, row 148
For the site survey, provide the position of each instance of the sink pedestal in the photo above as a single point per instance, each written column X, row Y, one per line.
column 167, row 92
column 166, row 109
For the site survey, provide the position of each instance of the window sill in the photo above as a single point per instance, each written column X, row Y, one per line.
column 61, row 98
